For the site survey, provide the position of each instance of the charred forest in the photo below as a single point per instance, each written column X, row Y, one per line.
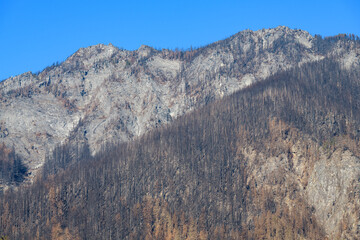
column 12, row 168
column 197, row 177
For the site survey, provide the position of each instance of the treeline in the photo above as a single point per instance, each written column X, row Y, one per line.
column 325, row 44
column 191, row 179
column 12, row 168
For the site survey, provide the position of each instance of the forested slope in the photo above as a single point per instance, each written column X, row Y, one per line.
column 12, row 169
column 254, row 165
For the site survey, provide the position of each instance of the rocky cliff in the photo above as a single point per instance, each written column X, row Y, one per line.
column 105, row 94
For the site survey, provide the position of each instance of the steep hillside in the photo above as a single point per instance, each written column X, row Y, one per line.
column 277, row 160
column 104, row 94
column 12, row 169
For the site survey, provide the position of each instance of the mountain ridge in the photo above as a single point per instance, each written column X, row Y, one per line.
column 117, row 94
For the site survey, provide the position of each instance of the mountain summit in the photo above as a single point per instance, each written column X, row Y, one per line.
column 105, row 94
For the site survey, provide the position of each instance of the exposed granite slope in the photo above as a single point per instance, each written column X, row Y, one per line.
column 117, row 94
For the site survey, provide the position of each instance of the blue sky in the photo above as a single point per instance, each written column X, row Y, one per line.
column 34, row 34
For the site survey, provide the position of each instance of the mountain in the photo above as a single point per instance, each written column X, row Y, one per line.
column 103, row 94
column 279, row 159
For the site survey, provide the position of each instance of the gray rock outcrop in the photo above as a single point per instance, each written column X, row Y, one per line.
column 104, row 94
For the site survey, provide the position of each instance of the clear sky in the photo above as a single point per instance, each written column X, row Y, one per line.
column 36, row 33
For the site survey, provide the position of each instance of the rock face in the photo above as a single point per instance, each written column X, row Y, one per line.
column 102, row 93
column 328, row 181
column 331, row 188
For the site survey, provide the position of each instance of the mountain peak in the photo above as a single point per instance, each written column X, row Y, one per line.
column 123, row 94
column 145, row 51
column 282, row 28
